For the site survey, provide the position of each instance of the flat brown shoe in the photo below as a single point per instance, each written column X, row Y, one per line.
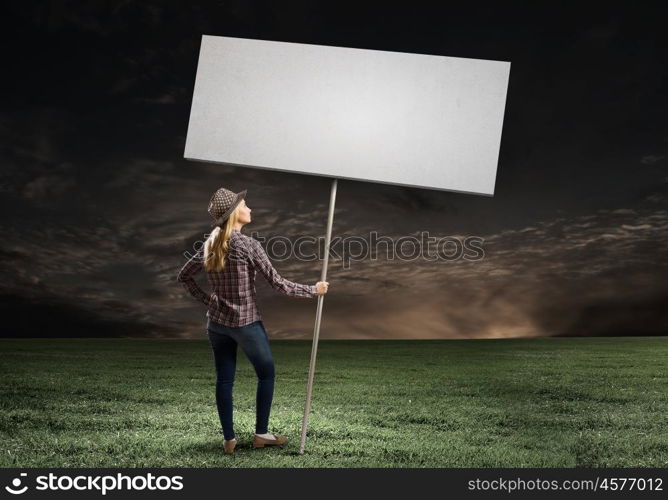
column 229, row 446
column 260, row 442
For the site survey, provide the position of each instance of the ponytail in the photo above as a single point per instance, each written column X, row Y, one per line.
column 216, row 246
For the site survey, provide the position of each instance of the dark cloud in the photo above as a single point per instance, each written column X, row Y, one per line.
column 99, row 208
column 63, row 317
column 640, row 317
column 652, row 159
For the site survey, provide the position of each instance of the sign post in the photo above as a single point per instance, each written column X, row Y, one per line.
column 318, row 316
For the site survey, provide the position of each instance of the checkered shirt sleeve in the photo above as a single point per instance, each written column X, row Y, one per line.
column 260, row 262
column 186, row 276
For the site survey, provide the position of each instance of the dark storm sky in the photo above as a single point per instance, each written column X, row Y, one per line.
column 99, row 206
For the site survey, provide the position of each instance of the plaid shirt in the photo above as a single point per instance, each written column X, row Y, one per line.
column 233, row 301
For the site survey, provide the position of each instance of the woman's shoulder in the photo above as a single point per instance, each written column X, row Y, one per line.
column 241, row 242
column 240, row 238
column 244, row 238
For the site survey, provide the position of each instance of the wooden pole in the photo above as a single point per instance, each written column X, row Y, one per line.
column 318, row 316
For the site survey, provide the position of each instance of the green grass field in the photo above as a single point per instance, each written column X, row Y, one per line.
column 549, row 402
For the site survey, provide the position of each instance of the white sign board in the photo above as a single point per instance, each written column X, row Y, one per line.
column 369, row 115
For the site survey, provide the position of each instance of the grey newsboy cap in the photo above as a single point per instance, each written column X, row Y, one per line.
column 222, row 204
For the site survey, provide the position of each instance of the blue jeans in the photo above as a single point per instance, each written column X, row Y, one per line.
column 254, row 341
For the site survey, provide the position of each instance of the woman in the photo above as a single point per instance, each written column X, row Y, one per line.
column 231, row 260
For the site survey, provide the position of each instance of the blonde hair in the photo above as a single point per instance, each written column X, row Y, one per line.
column 217, row 245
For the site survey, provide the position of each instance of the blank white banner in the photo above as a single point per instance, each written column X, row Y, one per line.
column 370, row 115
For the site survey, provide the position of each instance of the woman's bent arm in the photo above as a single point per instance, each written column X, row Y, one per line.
column 186, row 276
